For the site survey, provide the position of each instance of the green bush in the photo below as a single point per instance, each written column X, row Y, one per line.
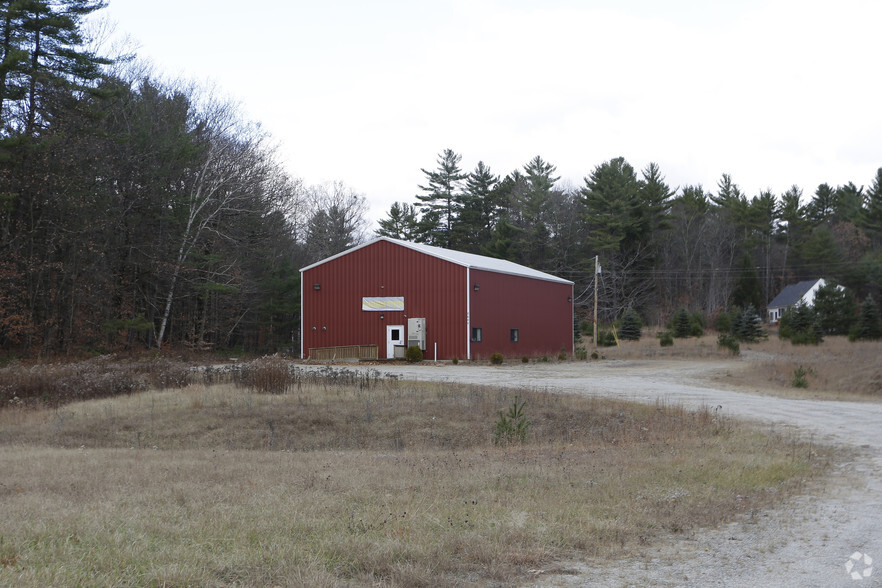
column 413, row 354
column 696, row 324
column 730, row 342
column 799, row 378
column 455, row 360
column 561, row 356
column 723, row 322
column 801, row 326
column 805, row 338
column 496, row 359
column 513, row 426
column 581, row 353
column 606, row 339
column 525, row 359
column 666, row 339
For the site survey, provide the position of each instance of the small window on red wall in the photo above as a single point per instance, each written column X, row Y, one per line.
column 477, row 334
column 514, row 335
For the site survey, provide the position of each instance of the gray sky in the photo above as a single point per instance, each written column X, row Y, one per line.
column 773, row 93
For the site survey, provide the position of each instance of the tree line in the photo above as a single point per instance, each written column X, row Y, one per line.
column 659, row 248
column 136, row 212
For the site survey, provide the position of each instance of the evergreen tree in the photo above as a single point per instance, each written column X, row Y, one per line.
column 748, row 290
column 871, row 219
column 749, row 326
column 836, row 309
column 655, row 199
column 532, row 203
column 441, row 199
column 681, row 327
column 631, row 327
column 480, row 210
column 800, row 324
column 502, row 242
column 822, row 205
column 43, row 51
column 869, row 325
column 820, row 252
column 729, row 195
column 400, row 223
column 793, row 226
column 848, row 201
column 611, row 203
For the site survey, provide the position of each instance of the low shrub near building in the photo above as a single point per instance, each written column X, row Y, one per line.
column 413, row 354
column 496, row 359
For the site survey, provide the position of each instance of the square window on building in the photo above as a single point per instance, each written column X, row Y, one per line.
column 514, row 335
column 477, row 334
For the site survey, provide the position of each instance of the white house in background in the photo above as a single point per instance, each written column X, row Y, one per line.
column 793, row 294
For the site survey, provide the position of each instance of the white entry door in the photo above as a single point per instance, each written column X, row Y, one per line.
column 394, row 336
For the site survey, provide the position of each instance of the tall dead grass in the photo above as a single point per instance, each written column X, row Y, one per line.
column 837, row 368
column 100, row 377
column 395, row 484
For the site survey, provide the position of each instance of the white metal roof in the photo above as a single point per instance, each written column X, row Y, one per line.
column 469, row 260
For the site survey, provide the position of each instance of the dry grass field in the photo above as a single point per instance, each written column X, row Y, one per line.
column 836, row 369
column 385, row 483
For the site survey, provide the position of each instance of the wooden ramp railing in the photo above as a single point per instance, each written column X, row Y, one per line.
column 343, row 352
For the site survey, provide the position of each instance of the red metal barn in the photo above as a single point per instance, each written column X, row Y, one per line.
column 393, row 294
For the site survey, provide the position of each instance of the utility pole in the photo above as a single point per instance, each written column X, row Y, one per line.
column 596, row 276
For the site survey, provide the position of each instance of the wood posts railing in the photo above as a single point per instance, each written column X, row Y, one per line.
column 343, row 352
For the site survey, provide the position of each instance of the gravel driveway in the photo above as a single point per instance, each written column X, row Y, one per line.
column 806, row 542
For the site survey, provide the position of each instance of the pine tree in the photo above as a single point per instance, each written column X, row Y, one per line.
column 836, row 309
column 655, row 198
column 848, row 202
column 480, row 210
column 869, row 325
column 441, row 201
column 533, row 203
column 822, row 205
column 42, row 52
column 800, row 324
column 611, row 203
column 682, row 326
column 502, row 242
column 871, row 219
column 750, row 326
column 631, row 327
column 748, row 289
column 729, row 195
column 401, row 222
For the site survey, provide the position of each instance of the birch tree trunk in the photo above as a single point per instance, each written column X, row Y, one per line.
column 228, row 183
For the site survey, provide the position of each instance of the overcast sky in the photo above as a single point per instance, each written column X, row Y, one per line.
column 774, row 93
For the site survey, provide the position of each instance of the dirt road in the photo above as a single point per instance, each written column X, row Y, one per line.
column 806, row 542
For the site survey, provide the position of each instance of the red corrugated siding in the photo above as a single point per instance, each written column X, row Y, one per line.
column 539, row 309
column 433, row 289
